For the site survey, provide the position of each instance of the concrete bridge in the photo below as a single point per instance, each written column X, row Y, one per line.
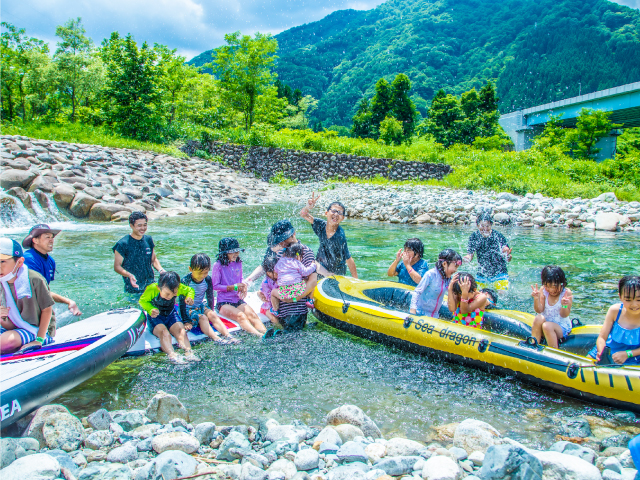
column 623, row 101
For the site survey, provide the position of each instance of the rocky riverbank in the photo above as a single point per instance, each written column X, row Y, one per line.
column 103, row 184
column 160, row 443
column 423, row 204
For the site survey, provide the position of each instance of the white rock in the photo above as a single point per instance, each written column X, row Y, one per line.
column 348, row 432
column 560, row 466
column 353, row 415
column 477, row 458
column 441, row 468
column 475, row 435
column 607, row 221
column 329, row 434
column 375, row 452
column 306, row 459
column 285, row 466
column 40, row 466
column 402, row 447
column 175, row 441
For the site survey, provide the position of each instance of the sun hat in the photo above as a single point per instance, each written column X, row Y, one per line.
column 280, row 231
column 36, row 231
column 9, row 248
column 229, row 245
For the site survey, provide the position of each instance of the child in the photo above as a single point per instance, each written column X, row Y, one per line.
column 267, row 286
column 290, row 273
column 333, row 254
column 25, row 315
column 552, row 304
column 226, row 277
column 409, row 265
column 621, row 329
column 465, row 301
column 201, row 313
column 426, row 299
column 159, row 302
column 493, row 254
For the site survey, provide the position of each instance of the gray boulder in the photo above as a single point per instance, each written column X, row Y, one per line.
column 63, row 195
column 353, row 415
column 124, row 454
column 99, row 439
column 575, row 427
column 63, row 431
column 251, row 472
column 129, row 419
column 7, row 451
column 44, row 183
column 175, row 441
column 234, row 440
column 329, row 434
column 354, row 471
column 571, row 448
column 396, row 466
column 34, row 430
column 306, row 459
column 81, row 204
column 100, row 419
column 65, row 460
column 510, row 461
column 402, row 447
column 352, row 452
column 106, row 471
column 621, row 440
column 39, row 466
column 205, row 432
column 164, row 407
column 10, row 178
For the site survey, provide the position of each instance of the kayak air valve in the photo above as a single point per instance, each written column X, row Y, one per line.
column 345, row 307
column 483, row 345
column 407, row 322
column 572, row 371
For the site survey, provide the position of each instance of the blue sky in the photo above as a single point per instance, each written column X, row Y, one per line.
column 191, row 26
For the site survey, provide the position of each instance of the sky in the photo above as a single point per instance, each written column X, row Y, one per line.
column 191, row 26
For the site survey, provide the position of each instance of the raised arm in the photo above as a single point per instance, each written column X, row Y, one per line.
column 391, row 272
column 304, row 213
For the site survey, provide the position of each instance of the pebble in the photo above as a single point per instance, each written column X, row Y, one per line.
column 352, row 452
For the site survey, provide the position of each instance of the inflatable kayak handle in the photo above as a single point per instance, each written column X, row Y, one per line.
column 345, row 307
column 407, row 322
column 483, row 345
column 572, row 371
column 530, row 342
column 30, row 349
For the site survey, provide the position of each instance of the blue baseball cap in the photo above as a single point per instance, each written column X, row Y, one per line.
column 9, row 248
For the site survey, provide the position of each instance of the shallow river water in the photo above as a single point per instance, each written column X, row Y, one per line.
column 303, row 376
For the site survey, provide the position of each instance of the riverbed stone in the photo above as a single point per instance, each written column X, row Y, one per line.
column 205, row 432
column 39, row 466
column 106, row 471
column 234, row 440
column 352, row 471
column 10, row 178
column 510, row 461
column 65, row 461
column 129, row 419
column 164, row 407
column 63, row 195
column 44, row 183
column 560, row 466
column 575, row 427
column 475, row 435
column 8, row 448
column 607, row 221
column 100, row 419
column 354, row 415
column 286, row 432
column 348, row 432
column 175, row 441
column 440, row 467
column 570, row 448
column 251, row 472
column 99, row 439
column 285, row 466
column 402, row 465
column 352, row 452
column 81, row 204
column 375, row 451
column 64, row 431
column 306, row 459
column 329, row 434
column 622, row 440
column 124, row 454
column 402, row 447
column 169, row 464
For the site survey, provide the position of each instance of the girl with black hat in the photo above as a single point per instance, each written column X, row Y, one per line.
column 226, row 276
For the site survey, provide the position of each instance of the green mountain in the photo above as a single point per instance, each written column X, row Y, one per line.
column 536, row 51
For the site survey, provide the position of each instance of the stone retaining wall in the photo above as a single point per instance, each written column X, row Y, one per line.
column 303, row 166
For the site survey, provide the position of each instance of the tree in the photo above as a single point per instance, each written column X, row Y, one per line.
column 362, row 121
column 553, row 135
column 133, row 93
column 381, row 106
column 403, row 108
column 443, row 118
column 73, row 57
column 296, row 96
column 176, row 76
column 243, row 67
column 591, row 126
column 391, row 131
column 18, row 53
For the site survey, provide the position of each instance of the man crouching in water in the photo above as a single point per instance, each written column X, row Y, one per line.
column 26, row 314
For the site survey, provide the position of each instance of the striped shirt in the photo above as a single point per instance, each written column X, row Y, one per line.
column 299, row 307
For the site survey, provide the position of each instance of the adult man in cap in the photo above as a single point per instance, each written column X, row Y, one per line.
column 40, row 244
column 292, row 314
column 27, row 307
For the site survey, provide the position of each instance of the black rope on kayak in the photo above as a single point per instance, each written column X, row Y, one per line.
column 345, row 304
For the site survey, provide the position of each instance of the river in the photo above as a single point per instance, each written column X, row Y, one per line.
column 303, row 376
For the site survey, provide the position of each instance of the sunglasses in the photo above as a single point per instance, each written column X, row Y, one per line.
column 337, row 212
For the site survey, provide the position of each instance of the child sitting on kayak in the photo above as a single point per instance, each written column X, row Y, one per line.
column 465, row 301
column 226, row 276
column 163, row 318
column 266, row 287
column 426, row 299
column 290, row 273
column 201, row 313
column 552, row 303
column 621, row 329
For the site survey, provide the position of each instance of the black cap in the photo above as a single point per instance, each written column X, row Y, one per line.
column 280, row 231
column 229, row 245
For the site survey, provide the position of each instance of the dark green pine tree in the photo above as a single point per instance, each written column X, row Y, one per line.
column 361, row 127
column 381, row 106
column 296, row 97
column 403, row 108
column 488, row 111
column 443, row 118
column 288, row 94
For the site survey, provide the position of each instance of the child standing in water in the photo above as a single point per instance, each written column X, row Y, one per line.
column 290, row 272
column 621, row 329
column 266, row 287
column 493, row 253
column 426, row 299
column 226, row 277
column 552, row 304
column 465, row 301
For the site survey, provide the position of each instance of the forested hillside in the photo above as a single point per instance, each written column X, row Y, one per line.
column 536, row 50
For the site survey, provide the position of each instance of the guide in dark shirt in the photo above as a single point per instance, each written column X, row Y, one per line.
column 333, row 252
column 137, row 257
column 492, row 262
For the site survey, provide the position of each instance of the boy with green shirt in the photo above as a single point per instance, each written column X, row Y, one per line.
column 163, row 317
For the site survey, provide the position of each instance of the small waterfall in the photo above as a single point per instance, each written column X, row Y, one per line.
column 15, row 217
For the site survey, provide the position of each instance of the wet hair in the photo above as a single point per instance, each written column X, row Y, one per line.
column 447, row 256
column 492, row 295
column 223, row 258
column 200, row 261
column 484, row 217
column 135, row 216
column 293, row 250
column 269, row 263
column 344, row 209
column 171, row 280
column 473, row 286
column 629, row 287
column 415, row 245
column 553, row 275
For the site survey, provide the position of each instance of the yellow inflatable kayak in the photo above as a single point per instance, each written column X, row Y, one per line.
column 379, row 311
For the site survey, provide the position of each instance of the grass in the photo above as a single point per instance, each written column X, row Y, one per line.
column 87, row 134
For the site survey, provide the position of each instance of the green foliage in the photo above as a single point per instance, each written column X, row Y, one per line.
column 243, row 67
column 280, row 179
column 591, row 126
column 391, row 131
column 381, row 106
